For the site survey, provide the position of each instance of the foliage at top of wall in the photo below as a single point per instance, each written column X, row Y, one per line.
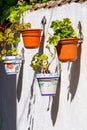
column 6, row 6
column 12, row 13
column 11, row 9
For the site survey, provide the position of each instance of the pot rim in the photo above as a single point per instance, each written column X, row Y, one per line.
column 66, row 41
column 12, row 59
column 32, row 29
column 47, row 75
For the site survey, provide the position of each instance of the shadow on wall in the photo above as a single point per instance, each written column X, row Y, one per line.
column 7, row 100
column 55, row 104
column 74, row 75
column 19, row 84
column 32, row 95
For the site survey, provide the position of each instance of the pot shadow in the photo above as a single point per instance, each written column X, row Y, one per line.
column 55, row 103
column 74, row 75
column 19, row 84
column 41, row 50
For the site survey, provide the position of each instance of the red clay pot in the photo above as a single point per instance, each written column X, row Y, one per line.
column 67, row 49
column 31, row 38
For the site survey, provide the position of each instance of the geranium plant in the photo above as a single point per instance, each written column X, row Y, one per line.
column 47, row 79
column 61, row 29
column 41, row 61
column 65, row 39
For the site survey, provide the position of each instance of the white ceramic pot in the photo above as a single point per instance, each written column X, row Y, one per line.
column 48, row 83
column 12, row 64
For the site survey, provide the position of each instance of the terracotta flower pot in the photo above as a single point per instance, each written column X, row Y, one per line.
column 12, row 64
column 67, row 49
column 31, row 38
column 48, row 83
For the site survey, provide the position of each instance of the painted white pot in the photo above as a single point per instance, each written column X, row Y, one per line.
column 48, row 83
column 12, row 64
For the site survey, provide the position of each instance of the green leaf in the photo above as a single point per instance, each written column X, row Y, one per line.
column 61, row 29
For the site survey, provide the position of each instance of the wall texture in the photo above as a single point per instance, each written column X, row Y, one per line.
column 68, row 109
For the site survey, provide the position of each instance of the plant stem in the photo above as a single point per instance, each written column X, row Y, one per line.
column 53, row 56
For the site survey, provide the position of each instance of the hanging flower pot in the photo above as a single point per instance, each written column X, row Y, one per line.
column 67, row 49
column 31, row 38
column 64, row 38
column 48, row 83
column 12, row 64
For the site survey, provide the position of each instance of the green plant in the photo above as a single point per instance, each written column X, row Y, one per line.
column 8, row 42
column 12, row 13
column 61, row 29
column 22, row 26
column 41, row 61
column 9, row 38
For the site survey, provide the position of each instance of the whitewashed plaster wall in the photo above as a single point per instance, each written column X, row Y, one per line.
column 68, row 109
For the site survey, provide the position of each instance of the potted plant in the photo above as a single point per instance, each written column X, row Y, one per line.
column 65, row 39
column 11, row 15
column 47, row 80
column 31, row 36
column 9, row 39
column 8, row 49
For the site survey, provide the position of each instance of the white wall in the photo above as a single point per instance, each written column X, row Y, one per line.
column 68, row 109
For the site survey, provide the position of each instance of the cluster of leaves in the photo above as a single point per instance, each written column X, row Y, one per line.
column 61, row 29
column 8, row 42
column 4, row 4
column 11, row 10
column 22, row 26
column 9, row 38
column 39, row 60
column 12, row 14
column 10, row 27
